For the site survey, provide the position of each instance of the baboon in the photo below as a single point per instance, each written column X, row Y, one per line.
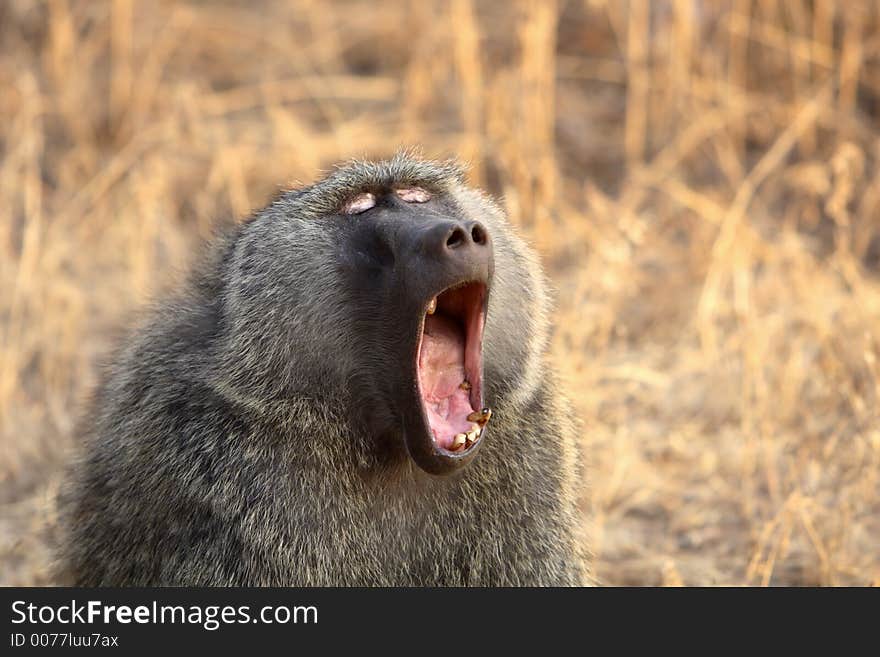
column 351, row 389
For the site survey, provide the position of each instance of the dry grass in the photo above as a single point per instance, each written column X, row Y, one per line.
column 703, row 180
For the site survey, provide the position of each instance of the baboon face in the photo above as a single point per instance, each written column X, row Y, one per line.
column 414, row 261
column 367, row 293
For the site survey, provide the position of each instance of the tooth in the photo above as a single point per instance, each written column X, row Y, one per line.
column 464, row 385
column 432, row 307
column 458, row 441
column 472, row 436
column 480, row 417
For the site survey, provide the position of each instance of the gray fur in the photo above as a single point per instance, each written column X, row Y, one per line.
column 224, row 446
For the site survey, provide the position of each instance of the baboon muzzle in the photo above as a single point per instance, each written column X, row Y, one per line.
column 449, row 420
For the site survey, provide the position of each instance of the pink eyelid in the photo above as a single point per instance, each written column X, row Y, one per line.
column 414, row 195
column 360, row 203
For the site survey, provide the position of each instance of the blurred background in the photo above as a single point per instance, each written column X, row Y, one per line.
column 701, row 179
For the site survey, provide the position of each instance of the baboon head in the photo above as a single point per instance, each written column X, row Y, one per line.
column 368, row 292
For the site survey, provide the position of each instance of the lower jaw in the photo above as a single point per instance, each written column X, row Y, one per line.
column 438, row 461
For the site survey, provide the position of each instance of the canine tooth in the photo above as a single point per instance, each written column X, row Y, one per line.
column 480, row 417
column 458, row 441
column 432, row 307
column 464, row 385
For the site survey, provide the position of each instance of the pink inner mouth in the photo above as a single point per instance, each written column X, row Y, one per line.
column 449, row 367
column 441, row 372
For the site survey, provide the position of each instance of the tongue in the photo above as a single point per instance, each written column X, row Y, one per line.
column 441, row 371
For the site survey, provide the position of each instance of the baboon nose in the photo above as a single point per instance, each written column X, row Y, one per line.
column 464, row 235
column 456, row 244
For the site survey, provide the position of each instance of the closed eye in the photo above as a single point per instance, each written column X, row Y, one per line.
column 360, row 203
column 414, row 195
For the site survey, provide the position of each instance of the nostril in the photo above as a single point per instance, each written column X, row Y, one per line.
column 478, row 234
column 456, row 238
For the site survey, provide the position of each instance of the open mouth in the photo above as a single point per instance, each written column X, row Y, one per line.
column 449, row 367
